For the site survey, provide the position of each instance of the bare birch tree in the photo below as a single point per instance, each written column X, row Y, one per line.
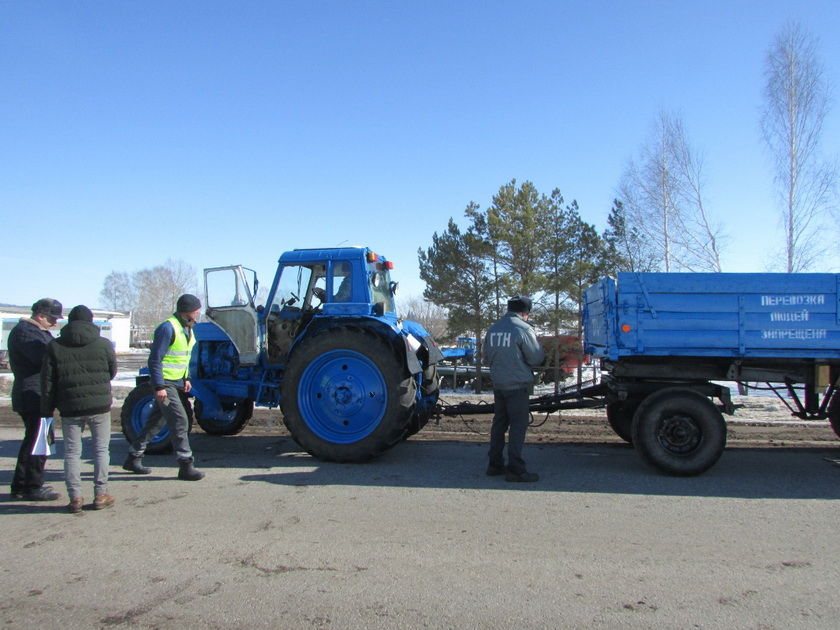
column 432, row 316
column 117, row 292
column 796, row 101
column 663, row 200
column 157, row 290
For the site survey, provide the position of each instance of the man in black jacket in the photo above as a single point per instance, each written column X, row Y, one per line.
column 27, row 342
column 76, row 379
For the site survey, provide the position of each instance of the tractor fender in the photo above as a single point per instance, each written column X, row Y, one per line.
column 400, row 337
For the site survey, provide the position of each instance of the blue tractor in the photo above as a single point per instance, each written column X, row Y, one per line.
column 351, row 378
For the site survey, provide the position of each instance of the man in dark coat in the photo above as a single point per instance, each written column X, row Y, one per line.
column 27, row 342
column 76, row 379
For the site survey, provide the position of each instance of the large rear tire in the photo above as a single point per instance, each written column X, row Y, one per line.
column 346, row 396
column 236, row 417
column 679, row 431
column 138, row 409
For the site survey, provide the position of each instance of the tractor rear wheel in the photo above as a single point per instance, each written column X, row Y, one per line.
column 138, row 409
column 346, row 396
column 236, row 416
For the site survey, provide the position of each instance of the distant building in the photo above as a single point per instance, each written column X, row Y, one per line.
column 113, row 325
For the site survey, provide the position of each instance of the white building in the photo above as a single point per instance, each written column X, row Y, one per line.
column 113, row 325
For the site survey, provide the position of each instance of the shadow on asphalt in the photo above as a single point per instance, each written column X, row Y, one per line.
column 766, row 473
column 778, row 473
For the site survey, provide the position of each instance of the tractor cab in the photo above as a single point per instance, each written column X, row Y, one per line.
column 319, row 283
column 309, row 283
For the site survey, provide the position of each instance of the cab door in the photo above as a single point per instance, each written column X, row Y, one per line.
column 230, row 305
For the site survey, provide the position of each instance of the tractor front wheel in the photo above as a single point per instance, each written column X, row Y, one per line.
column 140, row 408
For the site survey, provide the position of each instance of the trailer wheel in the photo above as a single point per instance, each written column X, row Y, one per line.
column 679, row 431
column 345, row 395
column 236, row 416
column 620, row 416
column 834, row 413
column 138, row 409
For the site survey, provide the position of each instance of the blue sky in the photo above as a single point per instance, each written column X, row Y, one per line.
column 227, row 132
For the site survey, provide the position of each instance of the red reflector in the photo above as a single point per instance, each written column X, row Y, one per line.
column 625, row 328
column 389, row 265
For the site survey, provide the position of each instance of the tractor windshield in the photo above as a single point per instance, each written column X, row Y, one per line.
column 382, row 289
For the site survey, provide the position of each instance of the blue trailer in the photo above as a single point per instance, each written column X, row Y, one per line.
column 667, row 340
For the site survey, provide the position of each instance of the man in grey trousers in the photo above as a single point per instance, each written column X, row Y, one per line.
column 76, row 378
column 169, row 360
column 512, row 349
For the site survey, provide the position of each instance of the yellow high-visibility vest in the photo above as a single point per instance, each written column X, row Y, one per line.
column 176, row 361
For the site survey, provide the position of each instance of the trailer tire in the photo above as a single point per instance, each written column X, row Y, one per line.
column 834, row 413
column 346, row 397
column 139, row 407
column 620, row 417
column 679, row 431
column 238, row 413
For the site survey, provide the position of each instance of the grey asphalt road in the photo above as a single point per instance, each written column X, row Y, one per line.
column 420, row 538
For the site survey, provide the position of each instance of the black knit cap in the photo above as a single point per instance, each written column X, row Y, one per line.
column 80, row 313
column 47, row 306
column 519, row 304
column 188, row 303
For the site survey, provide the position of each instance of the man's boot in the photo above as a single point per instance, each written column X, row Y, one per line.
column 134, row 463
column 188, row 472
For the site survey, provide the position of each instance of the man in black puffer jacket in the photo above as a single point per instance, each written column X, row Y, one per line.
column 27, row 342
column 76, row 379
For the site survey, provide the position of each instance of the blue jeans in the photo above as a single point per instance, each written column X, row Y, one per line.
column 100, row 432
column 511, row 416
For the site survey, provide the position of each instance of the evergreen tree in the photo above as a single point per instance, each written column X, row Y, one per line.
column 557, row 250
column 515, row 219
column 455, row 271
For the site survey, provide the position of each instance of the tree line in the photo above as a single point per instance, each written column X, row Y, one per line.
column 149, row 294
column 527, row 242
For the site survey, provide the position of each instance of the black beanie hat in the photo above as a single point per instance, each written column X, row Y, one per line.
column 188, row 303
column 519, row 304
column 80, row 313
column 47, row 306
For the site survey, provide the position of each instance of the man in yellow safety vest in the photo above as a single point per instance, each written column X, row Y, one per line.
column 169, row 361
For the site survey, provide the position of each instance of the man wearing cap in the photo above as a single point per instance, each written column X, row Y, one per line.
column 512, row 349
column 76, row 379
column 169, row 361
column 27, row 342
